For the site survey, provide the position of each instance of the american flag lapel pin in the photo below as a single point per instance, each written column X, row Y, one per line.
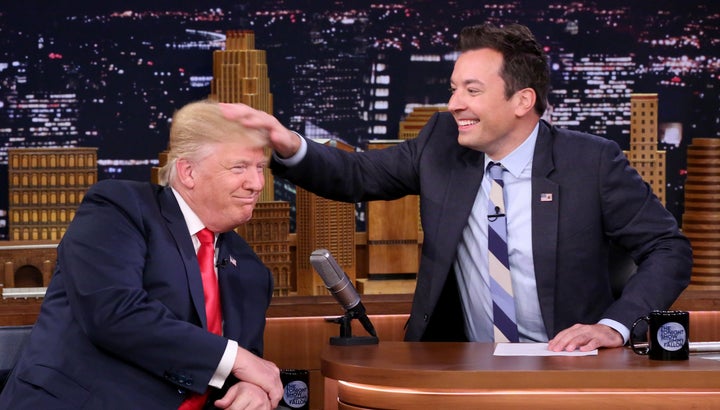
column 546, row 197
column 233, row 261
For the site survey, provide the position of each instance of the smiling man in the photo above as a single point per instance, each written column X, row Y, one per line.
column 563, row 197
column 139, row 313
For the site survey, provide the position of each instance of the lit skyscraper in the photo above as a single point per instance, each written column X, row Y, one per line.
column 240, row 75
column 322, row 223
column 644, row 155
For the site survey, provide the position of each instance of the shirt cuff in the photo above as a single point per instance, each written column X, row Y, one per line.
column 619, row 327
column 225, row 367
column 295, row 159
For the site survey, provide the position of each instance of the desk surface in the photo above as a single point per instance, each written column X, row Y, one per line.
column 470, row 365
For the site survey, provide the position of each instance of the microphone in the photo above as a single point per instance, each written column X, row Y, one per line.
column 221, row 263
column 496, row 215
column 338, row 283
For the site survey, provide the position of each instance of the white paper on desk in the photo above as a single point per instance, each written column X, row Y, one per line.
column 534, row 349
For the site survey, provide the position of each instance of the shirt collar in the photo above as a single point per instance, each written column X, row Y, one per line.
column 520, row 157
column 194, row 224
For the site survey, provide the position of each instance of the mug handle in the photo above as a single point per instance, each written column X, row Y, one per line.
column 637, row 349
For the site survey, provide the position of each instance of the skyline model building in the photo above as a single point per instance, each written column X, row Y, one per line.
column 35, row 120
column 46, row 187
column 644, row 154
column 322, row 223
column 393, row 227
column 701, row 220
column 392, row 233
column 240, row 75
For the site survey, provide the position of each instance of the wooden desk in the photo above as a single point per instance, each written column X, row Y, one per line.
column 400, row 375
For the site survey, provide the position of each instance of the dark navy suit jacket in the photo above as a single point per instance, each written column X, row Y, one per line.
column 597, row 198
column 123, row 324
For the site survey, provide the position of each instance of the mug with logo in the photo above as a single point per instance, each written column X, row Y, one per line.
column 668, row 335
column 296, row 391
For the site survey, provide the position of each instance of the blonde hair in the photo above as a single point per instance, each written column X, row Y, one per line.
column 197, row 126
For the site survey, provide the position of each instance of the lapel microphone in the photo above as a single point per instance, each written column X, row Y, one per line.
column 496, row 215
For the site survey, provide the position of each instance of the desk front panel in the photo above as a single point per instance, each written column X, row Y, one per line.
column 466, row 375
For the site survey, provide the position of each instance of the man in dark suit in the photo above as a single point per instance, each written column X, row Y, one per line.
column 124, row 324
column 568, row 197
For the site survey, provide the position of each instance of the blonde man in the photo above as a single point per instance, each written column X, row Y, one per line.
column 124, row 323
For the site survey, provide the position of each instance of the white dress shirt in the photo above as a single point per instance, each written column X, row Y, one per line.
column 471, row 265
column 228, row 358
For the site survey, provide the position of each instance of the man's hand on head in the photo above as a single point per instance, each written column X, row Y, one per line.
column 285, row 142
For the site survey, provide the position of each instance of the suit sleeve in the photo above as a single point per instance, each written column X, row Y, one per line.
column 635, row 219
column 383, row 174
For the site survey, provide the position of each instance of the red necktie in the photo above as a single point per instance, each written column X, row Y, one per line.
column 206, row 259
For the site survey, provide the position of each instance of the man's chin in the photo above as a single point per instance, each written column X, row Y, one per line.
column 467, row 141
column 245, row 218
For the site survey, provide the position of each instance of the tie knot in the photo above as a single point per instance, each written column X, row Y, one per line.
column 205, row 236
column 495, row 169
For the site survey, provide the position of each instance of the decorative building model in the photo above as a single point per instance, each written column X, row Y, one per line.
column 701, row 219
column 412, row 124
column 392, row 241
column 46, row 186
column 240, row 75
column 643, row 154
column 393, row 227
column 322, row 223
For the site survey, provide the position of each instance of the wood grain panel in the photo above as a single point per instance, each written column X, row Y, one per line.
column 395, row 375
column 350, row 395
column 297, row 342
column 704, row 326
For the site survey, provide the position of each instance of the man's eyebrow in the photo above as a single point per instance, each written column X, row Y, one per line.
column 468, row 82
column 248, row 162
column 472, row 81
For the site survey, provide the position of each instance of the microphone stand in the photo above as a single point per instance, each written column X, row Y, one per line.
column 346, row 338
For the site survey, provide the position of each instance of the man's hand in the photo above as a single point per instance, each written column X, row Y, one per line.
column 585, row 338
column 260, row 372
column 244, row 395
column 282, row 140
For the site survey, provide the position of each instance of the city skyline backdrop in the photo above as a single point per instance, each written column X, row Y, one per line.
column 111, row 75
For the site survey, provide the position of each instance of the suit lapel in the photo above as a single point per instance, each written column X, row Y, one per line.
column 545, row 215
column 229, row 276
column 179, row 231
column 462, row 188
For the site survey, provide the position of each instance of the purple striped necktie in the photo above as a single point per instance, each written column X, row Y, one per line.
column 504, row 321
